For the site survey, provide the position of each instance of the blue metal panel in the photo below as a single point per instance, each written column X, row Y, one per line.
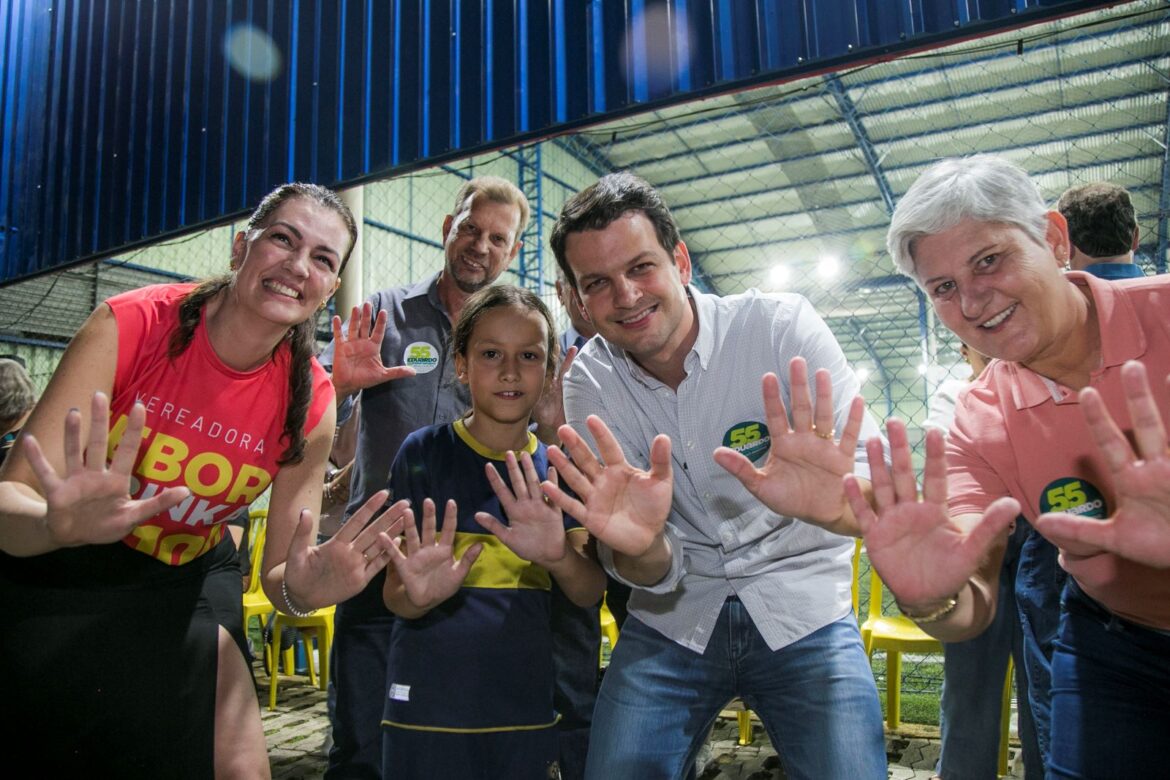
column 125, row 121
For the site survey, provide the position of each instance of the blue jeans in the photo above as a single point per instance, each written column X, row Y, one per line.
column 816, row 697
column 1110, row 694
column 1039, row 582
column 969, row 715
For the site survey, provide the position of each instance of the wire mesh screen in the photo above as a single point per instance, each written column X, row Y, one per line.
column 786, row 187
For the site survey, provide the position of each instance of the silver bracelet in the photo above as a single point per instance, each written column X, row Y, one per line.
column 293, row 609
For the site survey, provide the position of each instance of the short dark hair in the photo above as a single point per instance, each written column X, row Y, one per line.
column 1101, row 220
column 604, row 202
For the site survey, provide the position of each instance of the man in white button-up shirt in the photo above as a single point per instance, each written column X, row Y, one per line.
column 726, row 515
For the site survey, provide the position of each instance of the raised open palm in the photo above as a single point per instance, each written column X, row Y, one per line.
column 90, row 503
column 801, row 476
column 344, row 564
column 920, row 553
column 535, row 529
column 623, row 506
column 428, row 569
column 1140, row 528
column 357, row 354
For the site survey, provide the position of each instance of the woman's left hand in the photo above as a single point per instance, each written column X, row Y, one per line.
column 535, row 530
column 1140, row 528
column 341, row 567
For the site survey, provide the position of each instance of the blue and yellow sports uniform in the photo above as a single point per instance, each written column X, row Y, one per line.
column 470, row 684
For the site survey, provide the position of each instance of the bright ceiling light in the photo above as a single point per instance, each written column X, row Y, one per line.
column 828, row 268
column 778, row 275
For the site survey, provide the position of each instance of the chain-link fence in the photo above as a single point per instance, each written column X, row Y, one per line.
column 785, row 187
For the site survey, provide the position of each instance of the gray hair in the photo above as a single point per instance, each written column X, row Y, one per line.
column 982, row 187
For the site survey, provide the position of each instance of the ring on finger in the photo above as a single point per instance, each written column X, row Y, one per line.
column 823, row 435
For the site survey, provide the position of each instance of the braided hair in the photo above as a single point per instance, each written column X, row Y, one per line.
column 302, row 337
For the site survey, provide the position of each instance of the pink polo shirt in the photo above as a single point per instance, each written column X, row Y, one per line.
column 1017, row 433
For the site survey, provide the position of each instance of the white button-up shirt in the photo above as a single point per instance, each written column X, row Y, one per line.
column 792, row 577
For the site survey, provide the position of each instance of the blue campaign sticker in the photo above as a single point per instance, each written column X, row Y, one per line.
column 1075, row 496
column 748, row 438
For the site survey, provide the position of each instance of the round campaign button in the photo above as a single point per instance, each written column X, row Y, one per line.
column 1073, row 495
column 421, row 356
column 749, row 438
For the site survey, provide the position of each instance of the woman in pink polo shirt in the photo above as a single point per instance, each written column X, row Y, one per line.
column 1036, row 436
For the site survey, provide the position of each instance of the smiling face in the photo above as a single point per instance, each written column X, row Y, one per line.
column 480, row 241
column 286, row 269
column 1000, row 291
column 634, row 291
column 506, row 367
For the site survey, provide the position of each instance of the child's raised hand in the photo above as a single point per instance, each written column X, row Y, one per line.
column 535, row 530
column 428, row 570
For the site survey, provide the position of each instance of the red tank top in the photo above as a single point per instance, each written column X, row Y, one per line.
column 209, row 427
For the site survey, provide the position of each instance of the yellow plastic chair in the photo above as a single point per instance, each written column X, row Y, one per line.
column 256, row 604
column 319, row 623
column 895, row 634
column 609, row 628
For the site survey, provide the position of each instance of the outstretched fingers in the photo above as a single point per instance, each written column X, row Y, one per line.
column 99, row 433
column 492, row 524
column 800, row 400
column 42, row 468
column 389, row 522
column 823, row 417
column 126, row 452
column 575, row 477
column 774, row 410
column 739, row 466
column 852, row 431
column 934, row 474
column 902, row 471
column 358, row 520
column 450, row 521
column 879, row 475
column 992, row 527
column 660, row 457
column 563, row 501
column 607, row 443
column 1078, row 535
column 866, row 517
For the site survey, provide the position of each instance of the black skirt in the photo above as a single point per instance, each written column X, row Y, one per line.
column 109, row 660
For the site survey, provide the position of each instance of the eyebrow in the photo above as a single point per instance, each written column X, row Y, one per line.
column 300, row 236
column 586, row 278
column 974, row 256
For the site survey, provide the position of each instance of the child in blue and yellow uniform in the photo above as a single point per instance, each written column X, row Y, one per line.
column 470, row 689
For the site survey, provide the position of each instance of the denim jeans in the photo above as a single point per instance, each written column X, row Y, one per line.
column 1039, row 583
column 816, row 697
column 969, row 714
column 1110, row 694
